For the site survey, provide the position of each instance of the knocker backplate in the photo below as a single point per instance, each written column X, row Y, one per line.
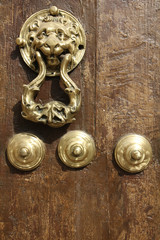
column 37, row 34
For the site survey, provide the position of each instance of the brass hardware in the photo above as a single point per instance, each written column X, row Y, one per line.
column 52, row 42
column 25, row 151
column 76, row 149
column 133, row 153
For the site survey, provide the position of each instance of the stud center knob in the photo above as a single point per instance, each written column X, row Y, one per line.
column 77, row 151
column 24, row 152
column 136, row 155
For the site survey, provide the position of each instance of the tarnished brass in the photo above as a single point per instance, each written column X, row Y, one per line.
column 76, row 149
column 25, row 151
column 52, row 42
column 133, row 153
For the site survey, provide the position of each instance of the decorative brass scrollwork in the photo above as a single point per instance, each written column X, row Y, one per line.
column 52, row 42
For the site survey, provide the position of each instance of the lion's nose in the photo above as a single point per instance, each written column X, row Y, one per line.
column 57, row 50
column 53, row 42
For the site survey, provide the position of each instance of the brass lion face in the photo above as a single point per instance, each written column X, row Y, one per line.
column 53, row 35
column 53, row 39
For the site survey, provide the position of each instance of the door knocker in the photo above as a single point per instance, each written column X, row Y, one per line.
column 52, row 42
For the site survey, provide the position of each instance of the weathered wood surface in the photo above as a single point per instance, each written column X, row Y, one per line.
column 119, row 78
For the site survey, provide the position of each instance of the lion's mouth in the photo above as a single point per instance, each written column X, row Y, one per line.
column 53, row 61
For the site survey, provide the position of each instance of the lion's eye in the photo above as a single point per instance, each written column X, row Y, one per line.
column 60, row 35
column 40, row 36
column 46, row 45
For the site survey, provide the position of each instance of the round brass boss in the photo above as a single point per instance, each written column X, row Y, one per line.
column 76, row 149
column 39, row 26
column 133, row 153
column 25, row 151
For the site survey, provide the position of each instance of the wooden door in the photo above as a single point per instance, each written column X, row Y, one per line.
column 119, row 78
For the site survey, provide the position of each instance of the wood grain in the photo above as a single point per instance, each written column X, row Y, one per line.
column 119, row 79
column 128, row 102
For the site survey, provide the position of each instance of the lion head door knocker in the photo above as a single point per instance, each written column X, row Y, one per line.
column 52, row 42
